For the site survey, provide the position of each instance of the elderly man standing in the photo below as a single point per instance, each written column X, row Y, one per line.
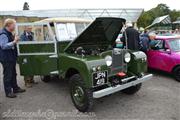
column 8, row 57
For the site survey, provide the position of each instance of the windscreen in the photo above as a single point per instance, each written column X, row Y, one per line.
column 175, row 45
column 69, row 31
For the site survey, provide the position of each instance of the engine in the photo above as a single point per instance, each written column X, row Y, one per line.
column 87, row 51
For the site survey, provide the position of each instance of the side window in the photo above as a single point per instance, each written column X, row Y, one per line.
column 157, row 44
column 38, row 36
column 34, row 33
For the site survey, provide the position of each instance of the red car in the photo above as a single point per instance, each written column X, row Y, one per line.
column 165, row 55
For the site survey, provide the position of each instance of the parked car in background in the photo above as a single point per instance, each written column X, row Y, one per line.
column 165, row 55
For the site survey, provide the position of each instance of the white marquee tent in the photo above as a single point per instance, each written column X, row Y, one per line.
column 129, row 14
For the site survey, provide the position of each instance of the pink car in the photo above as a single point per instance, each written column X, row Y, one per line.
column 165, row 55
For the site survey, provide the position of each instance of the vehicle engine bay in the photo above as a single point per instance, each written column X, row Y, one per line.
column 93, row 50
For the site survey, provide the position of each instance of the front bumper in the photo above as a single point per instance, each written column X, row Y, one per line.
column 110, row 90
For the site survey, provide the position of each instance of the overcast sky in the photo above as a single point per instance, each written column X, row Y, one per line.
column 67, row 4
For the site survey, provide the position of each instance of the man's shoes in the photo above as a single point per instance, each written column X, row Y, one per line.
column 11, row 95
column 19, row 90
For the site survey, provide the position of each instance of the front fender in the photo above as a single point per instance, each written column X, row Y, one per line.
column 138, row 63
column 67, row 61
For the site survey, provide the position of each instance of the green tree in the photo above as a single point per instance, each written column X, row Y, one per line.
column 148, row 16
column 174, row 15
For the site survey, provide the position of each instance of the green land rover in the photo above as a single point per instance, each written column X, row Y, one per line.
column 83, row 53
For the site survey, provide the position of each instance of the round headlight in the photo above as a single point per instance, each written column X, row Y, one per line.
column 94, row 69
column 127, row 57
column 108, row 60
column 144, row 59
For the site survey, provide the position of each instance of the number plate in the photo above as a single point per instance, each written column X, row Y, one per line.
column 99, row 78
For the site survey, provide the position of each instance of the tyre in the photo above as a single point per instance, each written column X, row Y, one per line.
column 46, row 78
column 176, row 73
column 132, row 90
column 82, row 97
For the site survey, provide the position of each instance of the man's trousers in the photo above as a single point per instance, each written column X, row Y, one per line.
column 9, row 78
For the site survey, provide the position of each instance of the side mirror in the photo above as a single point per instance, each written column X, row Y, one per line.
column 168, row 50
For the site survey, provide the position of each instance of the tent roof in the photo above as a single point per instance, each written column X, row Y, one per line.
column 129, row 14
column 176, row 22
column 163, row 19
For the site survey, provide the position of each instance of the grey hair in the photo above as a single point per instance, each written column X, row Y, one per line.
column 152, row 34
column 129, row 24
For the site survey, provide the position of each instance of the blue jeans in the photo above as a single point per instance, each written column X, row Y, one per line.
column 9, row 78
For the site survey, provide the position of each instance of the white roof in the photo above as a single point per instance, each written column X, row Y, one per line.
column 168, row 37
column 129, row 14
column 176, row 22
column 164, row 19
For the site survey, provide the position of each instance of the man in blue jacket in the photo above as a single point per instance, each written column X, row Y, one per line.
column 8, row 57
column 147, row 41
column 27, row 35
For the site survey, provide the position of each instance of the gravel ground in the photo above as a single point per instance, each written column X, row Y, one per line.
column 159, row 99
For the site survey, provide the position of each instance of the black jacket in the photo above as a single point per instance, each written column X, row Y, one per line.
column 133, row 40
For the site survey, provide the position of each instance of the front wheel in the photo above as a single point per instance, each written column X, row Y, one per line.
column 132, row 90
column 46, row 78
column 176, row 73
column 81, row 97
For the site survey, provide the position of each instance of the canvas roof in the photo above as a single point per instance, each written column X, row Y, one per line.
column 66, row 20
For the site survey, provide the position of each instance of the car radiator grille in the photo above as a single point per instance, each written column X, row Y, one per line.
column 118, row 64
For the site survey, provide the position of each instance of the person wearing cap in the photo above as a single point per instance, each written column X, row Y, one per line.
column 28, row 35
column 8, row 57
column 131, row 35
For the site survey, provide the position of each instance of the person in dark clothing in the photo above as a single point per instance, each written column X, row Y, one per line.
column 144, row 42
column 8, row 57
column 28, row 35
column 147, row 41
column 132, row 36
